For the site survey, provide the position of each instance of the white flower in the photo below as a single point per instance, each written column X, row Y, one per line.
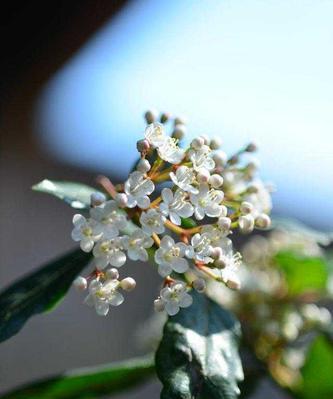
column 175, row 205
column 137, row 188
column 200, row 248
column 184, row 178
column 152, row 221
column 86, row 231
column 261, row 199
column 111, row 218
column 207, row 202
column 175, row 297
column 154, row 133
column 229, row 264
column 216, row 235
column 170, row 152
column 136, row 245
column 202, row 158
column 103, row 294
column 170, row 256
column 110, row 251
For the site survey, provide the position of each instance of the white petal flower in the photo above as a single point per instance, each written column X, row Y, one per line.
column 202, row 158
column 103, row 294
column 184, row 179
column 86, row 231
column 175, row 205
column 110, row 252
column 200, row 248
column 152, row 221
column 170, row 257
column 207, row 202
column 136, row 245
column 175, row 297
column 170, row 152
column 216, row 235
column 261, row 199
column 137, row 188
column 154, row 133
column 111, row 218
column 230, row 273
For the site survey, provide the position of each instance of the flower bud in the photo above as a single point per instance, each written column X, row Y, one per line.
column 253, row 189
column 224, row 223
column 165, row 117
column 220, row 263
column 203, row 175
column 251, row 147
column 215, row 143
column 180, row 121
column 112, row 274
column 197, row 143
column 179, row 132
column 143, row 165
column 216, row 252
column 159, row 305
column 128, row 284
column 246, row 223
column 216, row 181
column 205, row 138
column 199, row 284
column 80, row 283
column 142, row 145
column 150, row 116
column 234, row 283
column 97, row 199
column 121, row 199
column 246, row 207
column 263, row 221
column 220, row 158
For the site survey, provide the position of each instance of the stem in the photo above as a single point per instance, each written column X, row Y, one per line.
column 156, row 238
column 207, row 271
column 161, row 177
column 155, row 202
column 174, row 228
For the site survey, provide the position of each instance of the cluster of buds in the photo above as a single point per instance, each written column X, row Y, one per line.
column 182, row 204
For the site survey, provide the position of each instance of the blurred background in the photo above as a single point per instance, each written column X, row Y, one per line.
column 76, row 78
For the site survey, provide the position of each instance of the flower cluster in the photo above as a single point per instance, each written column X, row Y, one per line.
column 178, row 206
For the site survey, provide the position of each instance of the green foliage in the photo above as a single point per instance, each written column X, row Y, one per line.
column 88, row 382
column 38, row 292
column 198, row 355
column 188, row 223
column 303, row 273
column 77, row 195
column 317, row 372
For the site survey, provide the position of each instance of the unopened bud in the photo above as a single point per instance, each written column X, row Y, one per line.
column 220, row 263
column 150, row 116
column 224, row 223
column 165, row 117
column 263, row 221
column 203, row 175
column 246, row 223
column 128, row 284
column 216, row 180
column 179, row 132
column 80, row 283
column 97, row 199
column 220, row 158
column 199, row 284
column 234, row 283
column 197, row 143
column 159, row 305
column 216, row 252
column 215, row 143
column 246, row 207
column 253, row 189
column 142, row 145
column 180, row 121
column 205, row 138
column 121, row 199
column 143, row 165
column 112, row 274
column 251, row 147
column 234, row 159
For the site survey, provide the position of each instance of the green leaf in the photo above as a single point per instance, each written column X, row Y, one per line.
column 188, row 223
column 198, row 355
column 38, row 292
column 88, row 382
column 317, row 372
column 77, row 195
column 303, row 273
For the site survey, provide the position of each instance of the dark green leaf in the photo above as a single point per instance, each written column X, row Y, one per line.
column 317, row 372
column 77, row 195
column 303, row 273
column 198, row 355
column 88, row 382
column 38, row 292
column 188, row 223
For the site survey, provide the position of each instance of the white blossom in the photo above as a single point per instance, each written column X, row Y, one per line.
column 170, row 257
column 175, row 205
column 110, row 217
column 103, row 294
column 260, row 199
column 184, row 179
column 175, row 297
column 86, row 231
column 216, row 235
column 207, row 202
column 228, row 264
column 136, row 245
column 200, row 248
column 110, row 252
column 137, row 188
column 202, row 158
column 170, row 152
column 154, row 133
column 152, row 221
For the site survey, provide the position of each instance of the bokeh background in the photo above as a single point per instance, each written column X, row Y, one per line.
column 75, row 80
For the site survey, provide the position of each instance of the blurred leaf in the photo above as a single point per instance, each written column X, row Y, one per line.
column 198, row 355
column 38, row 292
column 77, row 195
column 317, row 372
column 188, row 223
column 303, row 273
column 87, row 383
